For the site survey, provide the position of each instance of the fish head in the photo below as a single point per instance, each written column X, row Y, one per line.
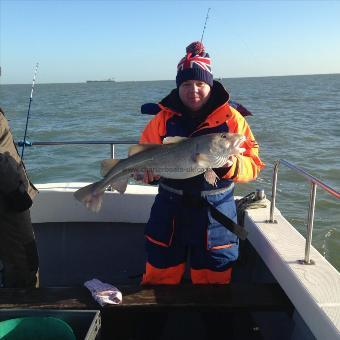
column 213, row 150
column 227, row 143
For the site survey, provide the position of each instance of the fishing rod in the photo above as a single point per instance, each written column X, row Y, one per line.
column 205, row 24
column 28, row 112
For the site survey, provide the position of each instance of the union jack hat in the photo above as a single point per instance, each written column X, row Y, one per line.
column 196, row 65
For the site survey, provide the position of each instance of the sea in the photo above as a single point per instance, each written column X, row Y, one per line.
column 296, row 118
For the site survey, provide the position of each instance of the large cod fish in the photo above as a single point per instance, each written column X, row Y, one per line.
column 176, row 158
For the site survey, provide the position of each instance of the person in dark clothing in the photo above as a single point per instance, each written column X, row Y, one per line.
column 180, row 231
column 18, row 250
column 176, row 227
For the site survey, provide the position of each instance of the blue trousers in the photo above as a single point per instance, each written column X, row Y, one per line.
column 178, row 230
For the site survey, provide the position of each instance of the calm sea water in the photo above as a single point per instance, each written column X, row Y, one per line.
column 295, row 118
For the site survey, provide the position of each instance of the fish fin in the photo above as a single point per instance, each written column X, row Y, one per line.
column 141, row 147
column 211, row 177
column 87, row 196
column 120, row 185
column 202, row 160
column 106, row 165
column 175, row 139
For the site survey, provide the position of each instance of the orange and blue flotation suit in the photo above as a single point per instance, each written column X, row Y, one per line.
column 178, row 225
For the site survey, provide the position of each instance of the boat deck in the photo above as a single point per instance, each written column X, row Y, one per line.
column 252, row 307
column 76, row 245
column 170, row 305
column 235, row 296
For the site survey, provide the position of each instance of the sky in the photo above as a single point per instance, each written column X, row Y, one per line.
column 75, row 41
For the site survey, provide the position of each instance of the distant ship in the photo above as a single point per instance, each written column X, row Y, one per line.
column 110, row 80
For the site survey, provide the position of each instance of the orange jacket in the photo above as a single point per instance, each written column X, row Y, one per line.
column 220, row 117
column 245, row 168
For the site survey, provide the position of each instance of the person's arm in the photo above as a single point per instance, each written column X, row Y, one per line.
column 12, row 188
column 247, row 166
column 151, row 135
column 152, row 131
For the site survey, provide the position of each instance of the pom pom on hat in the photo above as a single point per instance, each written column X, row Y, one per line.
column 196, row 65
column 195, row 48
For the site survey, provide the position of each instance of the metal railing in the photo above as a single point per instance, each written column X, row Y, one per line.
column 310, row 219
column 313, row 180
column 111, row 143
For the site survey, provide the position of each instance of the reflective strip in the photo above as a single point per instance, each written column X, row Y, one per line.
column 167, row 245
column 165, row 276
column 207, row 276
column 203, row 193
column 156, row 242
column 221, row 247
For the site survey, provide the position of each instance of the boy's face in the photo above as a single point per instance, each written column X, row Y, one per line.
column 194, row 94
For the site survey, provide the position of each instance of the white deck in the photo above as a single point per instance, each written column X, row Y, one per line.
column 313, row 289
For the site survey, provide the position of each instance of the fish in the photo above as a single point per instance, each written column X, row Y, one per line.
column 177, row 158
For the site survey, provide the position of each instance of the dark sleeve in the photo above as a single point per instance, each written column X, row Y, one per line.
column 18, row 200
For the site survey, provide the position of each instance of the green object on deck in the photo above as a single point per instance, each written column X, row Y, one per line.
column 36, row 328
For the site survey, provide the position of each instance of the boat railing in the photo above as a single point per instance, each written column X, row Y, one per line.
column 315, row 182
column 112, row 143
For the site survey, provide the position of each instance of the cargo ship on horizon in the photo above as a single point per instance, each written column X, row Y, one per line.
column 110, row 80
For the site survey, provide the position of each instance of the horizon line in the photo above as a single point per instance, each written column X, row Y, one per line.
column 217, row 78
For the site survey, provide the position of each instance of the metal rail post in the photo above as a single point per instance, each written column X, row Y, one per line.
column 310, row 219
column 112, row 150
column 273, row 201
column 310, row 223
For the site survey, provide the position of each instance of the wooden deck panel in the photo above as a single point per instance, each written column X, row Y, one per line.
column 167, row 311
column 230, row 297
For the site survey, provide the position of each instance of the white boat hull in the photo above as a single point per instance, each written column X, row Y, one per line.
column 313, row 289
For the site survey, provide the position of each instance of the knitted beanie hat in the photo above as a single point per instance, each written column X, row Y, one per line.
column 195, row 65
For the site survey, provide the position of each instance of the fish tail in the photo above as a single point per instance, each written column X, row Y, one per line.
column 87, row 195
